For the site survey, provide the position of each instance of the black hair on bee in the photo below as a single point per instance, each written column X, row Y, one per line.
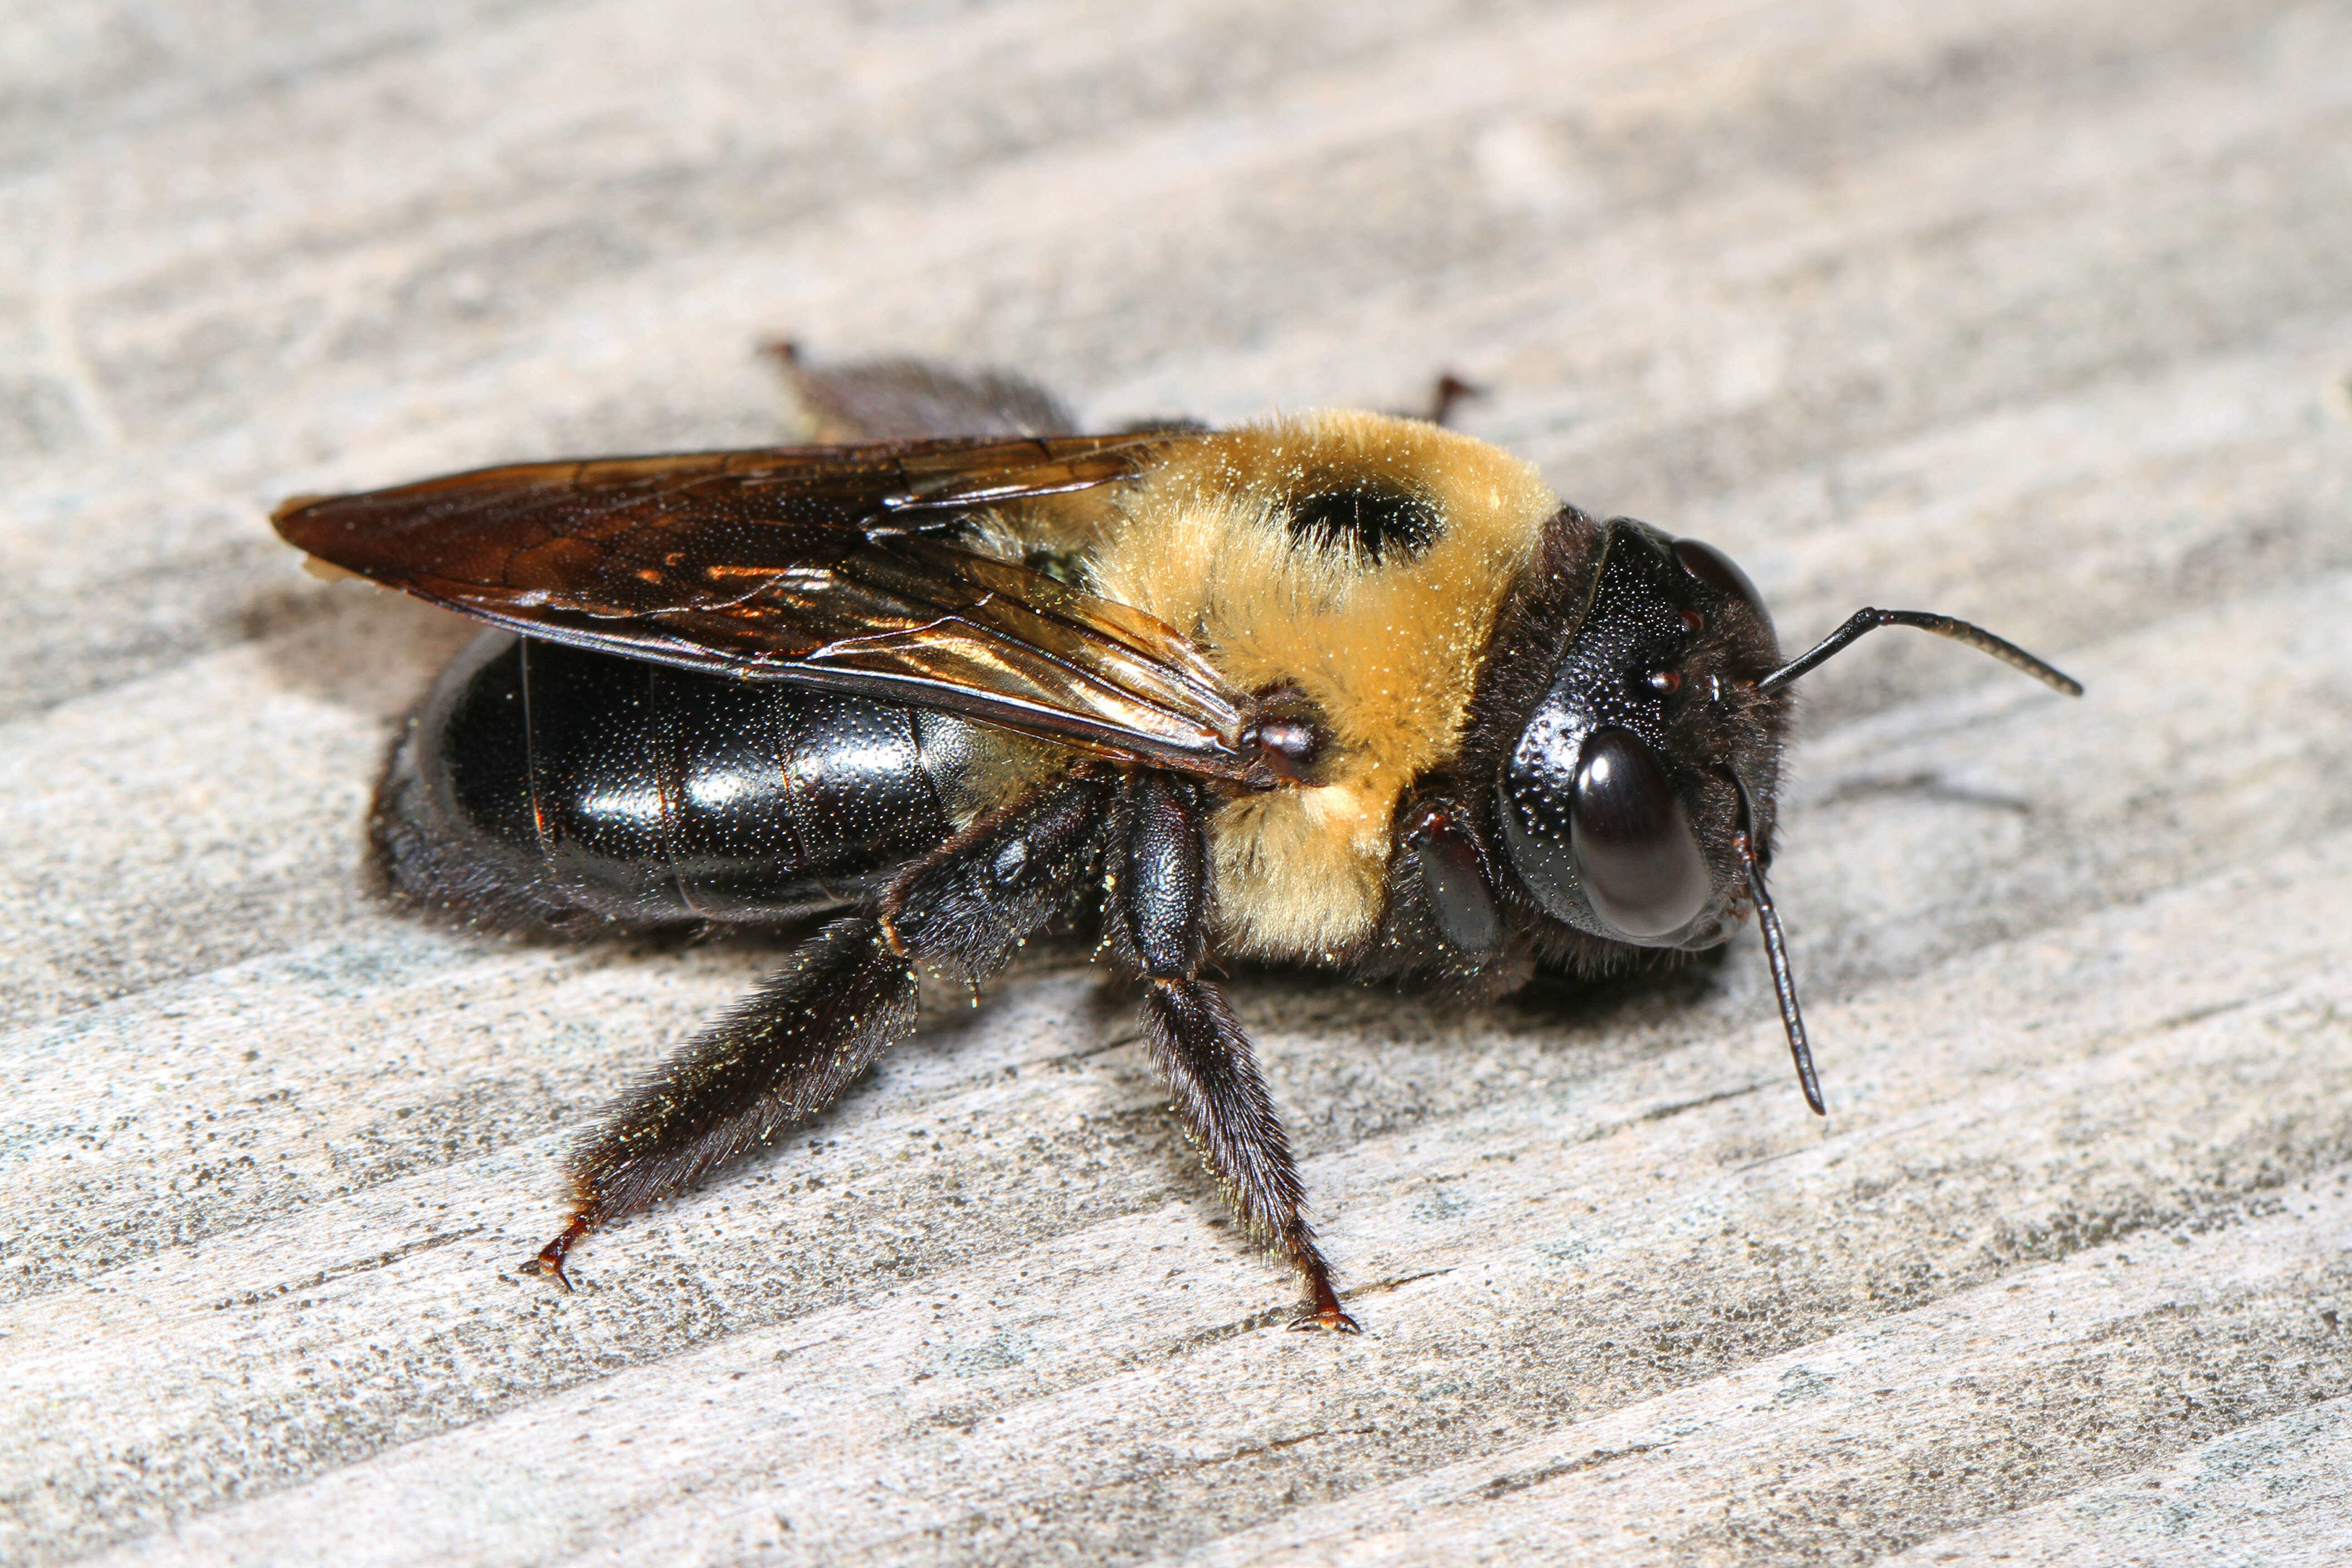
column 1342, row 689
column 1379, row 521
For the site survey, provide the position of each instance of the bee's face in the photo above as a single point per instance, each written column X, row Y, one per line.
column 1620, row 800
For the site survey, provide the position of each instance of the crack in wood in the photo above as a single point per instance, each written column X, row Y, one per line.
column 342, row 1270
column 1504, row 1485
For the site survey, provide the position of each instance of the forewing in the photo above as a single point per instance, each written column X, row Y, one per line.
column 630, row 536
column 815, row 565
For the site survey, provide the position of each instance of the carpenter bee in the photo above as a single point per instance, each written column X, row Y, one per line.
column 1339, row 689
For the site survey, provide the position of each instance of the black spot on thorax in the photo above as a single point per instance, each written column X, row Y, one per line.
column 1375, row 522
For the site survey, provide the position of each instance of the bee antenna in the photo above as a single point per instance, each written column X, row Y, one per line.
column 1776, row 948
column 1977, row 638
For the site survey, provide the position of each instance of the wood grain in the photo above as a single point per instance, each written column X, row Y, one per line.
column 2039, row 316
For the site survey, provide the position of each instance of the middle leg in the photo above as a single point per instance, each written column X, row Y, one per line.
column 1157, row 920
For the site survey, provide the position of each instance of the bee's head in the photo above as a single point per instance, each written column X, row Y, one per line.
column 1630, row 722
column 1620, row 802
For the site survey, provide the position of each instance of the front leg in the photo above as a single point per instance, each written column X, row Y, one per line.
column 1157, row 920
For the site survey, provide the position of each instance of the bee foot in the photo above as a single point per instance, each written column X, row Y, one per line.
column 549, row 1260
column 1326, row 1312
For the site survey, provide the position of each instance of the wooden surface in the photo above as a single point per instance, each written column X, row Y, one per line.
column 2040, row 315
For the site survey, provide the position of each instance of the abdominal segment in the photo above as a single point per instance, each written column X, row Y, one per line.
column 543, row 787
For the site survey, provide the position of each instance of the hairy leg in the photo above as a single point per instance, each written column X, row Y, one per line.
column 1158, row 921
column 844, row 996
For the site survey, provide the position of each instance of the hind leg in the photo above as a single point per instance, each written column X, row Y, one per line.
column 845, row 995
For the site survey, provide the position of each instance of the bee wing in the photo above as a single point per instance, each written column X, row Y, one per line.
column 818, row 565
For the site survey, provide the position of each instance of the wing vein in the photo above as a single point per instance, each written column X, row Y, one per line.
column 793, row 564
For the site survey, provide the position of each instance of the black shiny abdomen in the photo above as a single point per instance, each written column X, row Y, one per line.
column 540, row 782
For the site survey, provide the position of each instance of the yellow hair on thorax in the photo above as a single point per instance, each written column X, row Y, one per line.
column 1388, row 649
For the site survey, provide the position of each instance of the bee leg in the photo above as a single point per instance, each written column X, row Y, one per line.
column 1201, row 1051
column 1450, row 392
column 906, row 399
column 1159, row 923
column 550, row 1260
column 780, row 1054
column 844, row 996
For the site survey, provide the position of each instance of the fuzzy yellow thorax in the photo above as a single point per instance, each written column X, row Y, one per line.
column 1388, row 649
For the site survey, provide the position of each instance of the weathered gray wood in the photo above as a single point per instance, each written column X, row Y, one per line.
column 2037, row 315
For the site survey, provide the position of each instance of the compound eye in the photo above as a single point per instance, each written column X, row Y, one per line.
column 1634, row 851
column 1719, row 572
